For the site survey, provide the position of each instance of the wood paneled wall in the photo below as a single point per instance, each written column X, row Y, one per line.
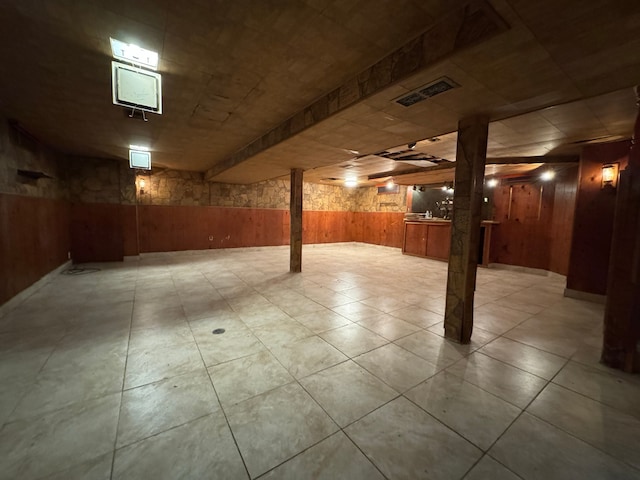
column 96, row 232
column 524, row 211
column 593, row 224
column 34, row 240
column 564, row 205
column 535, row 230
column 378, row 228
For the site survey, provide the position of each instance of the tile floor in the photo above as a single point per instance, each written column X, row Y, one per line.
column 338, row 372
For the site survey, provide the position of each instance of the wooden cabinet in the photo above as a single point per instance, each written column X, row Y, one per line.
column 432, row 239
column 439, row 241
column 415, row 239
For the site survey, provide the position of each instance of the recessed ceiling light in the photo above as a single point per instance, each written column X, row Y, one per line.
column 134, row 54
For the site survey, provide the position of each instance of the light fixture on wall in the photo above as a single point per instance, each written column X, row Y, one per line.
column 351, row 182
column 492, row 182
column 141, row 185
column 610, row 175
column 390, row 184
column 547, row 175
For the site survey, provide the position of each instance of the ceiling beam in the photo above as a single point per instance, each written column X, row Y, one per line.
column 470, row 24
column 545, row 159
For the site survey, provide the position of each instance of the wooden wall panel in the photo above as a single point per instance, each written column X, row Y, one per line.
column 96, row 231
column 34, row 240
column 439, row 241
column 379, row 228
column 593, row 222
column 326, row 227
column 175, row 228
column 523, row 237
column 564, row 204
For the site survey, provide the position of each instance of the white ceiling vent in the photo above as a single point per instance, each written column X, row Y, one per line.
column 427, row 91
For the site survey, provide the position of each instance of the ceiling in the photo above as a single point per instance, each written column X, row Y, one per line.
column 252, row 89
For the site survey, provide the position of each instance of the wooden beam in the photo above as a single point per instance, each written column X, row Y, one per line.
column 295, row 227
column 471, row 154
column 467, row 25
column 544, row 159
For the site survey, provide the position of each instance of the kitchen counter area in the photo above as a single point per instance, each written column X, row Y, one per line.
column 431, row 238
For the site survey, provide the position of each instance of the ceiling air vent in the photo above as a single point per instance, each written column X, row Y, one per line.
column 427, row 91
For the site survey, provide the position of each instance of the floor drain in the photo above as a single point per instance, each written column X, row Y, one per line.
column 218, row 331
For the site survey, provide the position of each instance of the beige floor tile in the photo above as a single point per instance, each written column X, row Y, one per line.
column 335, row 457
column 509, row 383
column 611, row 431
column 160, row 337
column 356, row 311
column 488, row 469
column 322, row 320
column 353, row 339
column 477, row 415
column 389, row 327
column 277, row 425
column 59, row 440
column 281, row 332
column 63, row 385
column 307, row 356
column 618, row 390
column 433, row 348
column 536, row 450
column 496, row 318
column 148, row 366
column 532, row 360
column 95, row 469
column 385, row 303
column 405, row 442
column 232, row 344
column 156, row 407
column 246, row 377
column 396, row 366
column 198, row 449
column 347, row 392
column 418, row 316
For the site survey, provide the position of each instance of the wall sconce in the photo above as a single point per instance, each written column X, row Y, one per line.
column 142, row 184
column 610, row 175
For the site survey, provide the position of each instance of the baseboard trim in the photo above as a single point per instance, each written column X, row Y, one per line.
column 20, row 297
column 586, row 296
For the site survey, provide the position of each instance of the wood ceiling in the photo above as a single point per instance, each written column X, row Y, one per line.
column 252, row 89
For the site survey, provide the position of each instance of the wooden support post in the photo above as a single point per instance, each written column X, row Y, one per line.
column 471, row 155
column 621, row 343
column 295, row 229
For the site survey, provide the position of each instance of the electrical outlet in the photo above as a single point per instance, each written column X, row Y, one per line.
column 68, row 255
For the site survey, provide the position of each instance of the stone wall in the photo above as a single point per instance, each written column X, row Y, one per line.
column 173, row 187
column 20, row 151
column 92, row 180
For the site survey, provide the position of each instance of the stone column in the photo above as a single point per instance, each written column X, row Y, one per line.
column 471, row 156
column 621, row 345
column 295, row 229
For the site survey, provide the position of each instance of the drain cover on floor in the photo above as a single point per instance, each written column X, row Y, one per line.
column 218, row 331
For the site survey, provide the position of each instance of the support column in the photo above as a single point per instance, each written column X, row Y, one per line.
column 621, row 344
column 471, row 156
column 295, row 229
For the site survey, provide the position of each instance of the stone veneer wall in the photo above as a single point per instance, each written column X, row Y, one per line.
column 20, row 151
column 175, row 187
column 92, row 180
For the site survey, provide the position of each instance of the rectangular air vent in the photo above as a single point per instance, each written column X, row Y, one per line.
column 427, row 91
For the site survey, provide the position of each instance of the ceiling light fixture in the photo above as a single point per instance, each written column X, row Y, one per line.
column 492, row 182
column 139, row 157
column 134, row 54
column 412, row 145
column 390, row 184
column 351, row 182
